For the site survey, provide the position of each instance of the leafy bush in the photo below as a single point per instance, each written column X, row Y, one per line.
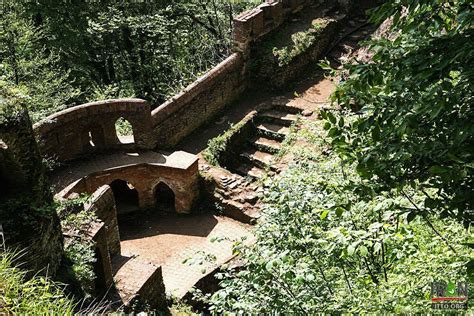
column 415, row 106
column 328, row 242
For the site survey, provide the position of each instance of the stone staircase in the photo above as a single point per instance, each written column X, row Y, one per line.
column 270, row 129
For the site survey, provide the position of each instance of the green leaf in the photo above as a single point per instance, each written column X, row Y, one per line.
column 363, row 251
column 331, row 117
column 324, row 214
column 438, row 170
column 351, row 249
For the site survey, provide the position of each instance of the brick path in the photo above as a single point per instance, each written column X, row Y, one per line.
column 168, row 240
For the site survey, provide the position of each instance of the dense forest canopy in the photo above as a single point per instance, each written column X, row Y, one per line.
column 64, row 53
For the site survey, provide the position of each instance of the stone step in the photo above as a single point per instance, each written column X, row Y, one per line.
column 258, row 158
column 287, row 108
column 272, row 130
column 250, row 170
column 265, row 144
column 279, row 117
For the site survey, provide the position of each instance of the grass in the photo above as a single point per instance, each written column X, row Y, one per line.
column 36, row 296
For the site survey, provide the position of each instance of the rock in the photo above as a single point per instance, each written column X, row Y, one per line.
column 251, row 198
column 233, row 185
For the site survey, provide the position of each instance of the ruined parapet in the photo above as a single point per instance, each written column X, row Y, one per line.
column 94, row 233
column 89, row 128
column 139, row 283
column 251, row 25
column 102, row 203
column 144, row 172
column 29, row 220
column 199, row 102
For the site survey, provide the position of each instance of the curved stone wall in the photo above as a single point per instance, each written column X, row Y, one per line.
column 89, row 128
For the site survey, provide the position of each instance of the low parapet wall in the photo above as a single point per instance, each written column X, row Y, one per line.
column 90, row 127
column 200, row 101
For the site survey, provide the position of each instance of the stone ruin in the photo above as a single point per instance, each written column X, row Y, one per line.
column 84, row 142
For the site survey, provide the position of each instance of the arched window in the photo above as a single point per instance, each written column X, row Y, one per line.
column 164, row 197
column 124, row 131
column 126, row 196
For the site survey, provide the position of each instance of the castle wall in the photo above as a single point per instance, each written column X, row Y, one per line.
column 102, row 203
column 199, row 102
column 68, row 134
column 89, row 128
column 182, row 180
column 251, row 25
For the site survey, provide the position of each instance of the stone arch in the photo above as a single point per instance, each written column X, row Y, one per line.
column 165, row 198
column 124, row 130
column 126, row 196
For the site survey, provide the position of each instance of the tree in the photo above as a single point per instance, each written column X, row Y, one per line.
column 415, row 106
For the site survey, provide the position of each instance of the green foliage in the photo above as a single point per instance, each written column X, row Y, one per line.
column 31, row 70
column 36, row 296
column 79, row 248
column 124, row 127
column 61, row 54
column 301, row 42
column 329, row 242
column 218, row 146
column 414, row 100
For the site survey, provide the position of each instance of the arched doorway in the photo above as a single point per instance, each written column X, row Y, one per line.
column 126, row 196
column 124, row 130
column 164, row 198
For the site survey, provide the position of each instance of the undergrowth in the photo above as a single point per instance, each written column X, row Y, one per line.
column 78, row 247
column 217, row 146
column 301, row 41
column 36, row 296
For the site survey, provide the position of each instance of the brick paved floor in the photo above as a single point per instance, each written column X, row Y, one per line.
column 168, row 240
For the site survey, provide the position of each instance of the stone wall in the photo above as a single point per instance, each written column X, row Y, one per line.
column 199, row 102
column 182, row 178
column 68, row 134
column 89, row 128
column 278, row 58
column 253, row 24
column 103, row 265
column 102, row 203
column 225, row 83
